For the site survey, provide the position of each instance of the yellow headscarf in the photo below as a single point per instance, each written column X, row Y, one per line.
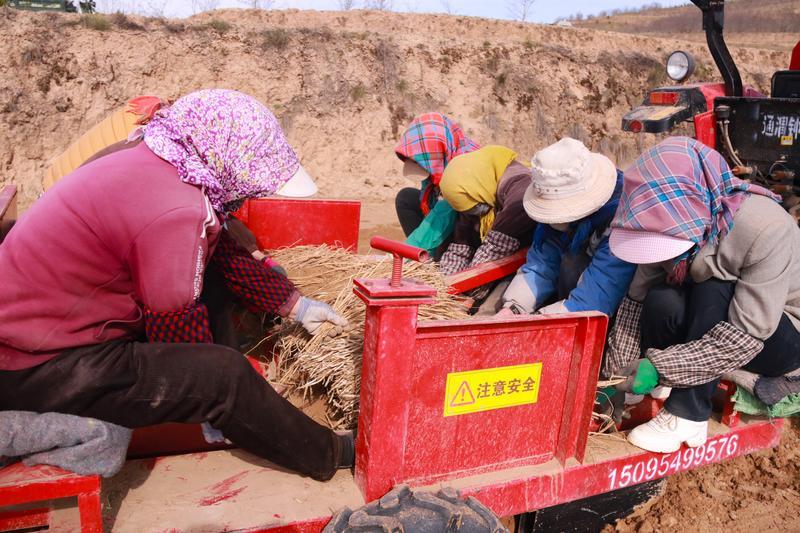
column 472, row 178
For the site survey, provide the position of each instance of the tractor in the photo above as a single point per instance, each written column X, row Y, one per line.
column 758, row 135
column 68, row 6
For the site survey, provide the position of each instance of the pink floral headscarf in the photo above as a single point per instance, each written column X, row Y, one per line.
column 225, row 141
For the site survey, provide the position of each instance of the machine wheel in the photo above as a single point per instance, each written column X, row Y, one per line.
column 402, row 510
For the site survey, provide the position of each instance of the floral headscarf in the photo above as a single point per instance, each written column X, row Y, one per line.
column 226, row 142
column 684, row 189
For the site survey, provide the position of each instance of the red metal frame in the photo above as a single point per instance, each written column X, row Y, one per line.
column 705, row 129
column 20, row 484
column 404, row 436
column 609, row 463
column 24, row 519
column 543, row 487
column 283, row 222
column 486, row 273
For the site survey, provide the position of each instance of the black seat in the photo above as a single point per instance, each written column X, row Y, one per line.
column 786, row 84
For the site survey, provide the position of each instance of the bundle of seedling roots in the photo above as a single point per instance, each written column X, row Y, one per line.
column 330, row 361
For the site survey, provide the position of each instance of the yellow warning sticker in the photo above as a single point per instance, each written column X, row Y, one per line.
column 492, row 388
column 787, row 140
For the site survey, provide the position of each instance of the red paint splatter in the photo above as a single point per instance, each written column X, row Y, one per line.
column 223, row 490
column 213, row 500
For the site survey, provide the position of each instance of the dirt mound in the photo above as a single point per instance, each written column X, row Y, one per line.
column 343, row 84
column 758, row 23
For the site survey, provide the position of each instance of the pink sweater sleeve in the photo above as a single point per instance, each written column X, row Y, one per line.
column 167, row 263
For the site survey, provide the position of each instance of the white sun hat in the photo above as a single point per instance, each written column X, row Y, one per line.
column 300, row 185
column 645, row 247
column 568, row 183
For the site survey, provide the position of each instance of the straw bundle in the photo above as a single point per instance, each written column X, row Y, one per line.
column 307, row 362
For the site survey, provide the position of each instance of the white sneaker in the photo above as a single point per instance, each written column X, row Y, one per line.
column 666, row 432
column 660, row 392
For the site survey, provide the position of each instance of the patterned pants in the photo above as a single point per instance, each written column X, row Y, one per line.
column 675, row 315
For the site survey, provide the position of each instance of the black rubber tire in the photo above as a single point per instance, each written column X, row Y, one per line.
column 404, row 511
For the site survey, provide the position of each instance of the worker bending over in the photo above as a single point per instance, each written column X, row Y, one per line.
column 103, row 308
column 486, row 188
column 427, row 146
column 573, row 195
column 717, row 289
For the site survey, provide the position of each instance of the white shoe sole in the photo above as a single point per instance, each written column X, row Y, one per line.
column 650, row 447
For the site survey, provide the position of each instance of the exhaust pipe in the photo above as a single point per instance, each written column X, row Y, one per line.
column 713, row 24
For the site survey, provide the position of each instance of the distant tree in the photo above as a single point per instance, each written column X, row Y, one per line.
column 345, row 5
column 447, row 5
column 154, row 8
column 198, row 6
column 520, row 9
column 380, row 5
column 258, row 4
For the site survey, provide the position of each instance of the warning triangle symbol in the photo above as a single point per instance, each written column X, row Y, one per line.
column 463, row 396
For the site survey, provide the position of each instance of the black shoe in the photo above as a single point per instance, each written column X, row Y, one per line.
column 773, row 390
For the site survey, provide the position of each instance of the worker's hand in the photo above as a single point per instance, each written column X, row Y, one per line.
column 642, row 377
column 555, row 308
column 312, row 314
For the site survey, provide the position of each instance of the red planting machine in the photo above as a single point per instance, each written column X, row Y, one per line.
column 499, row 410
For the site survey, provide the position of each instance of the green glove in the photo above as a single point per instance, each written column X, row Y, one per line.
column 642, row 377
column 646, row 378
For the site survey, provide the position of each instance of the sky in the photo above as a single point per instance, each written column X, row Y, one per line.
column 542, row 10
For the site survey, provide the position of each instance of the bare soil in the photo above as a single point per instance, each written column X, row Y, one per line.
column 758, row 492
column 343, row 84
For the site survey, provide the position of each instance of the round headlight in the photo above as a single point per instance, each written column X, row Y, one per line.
column 680, row 65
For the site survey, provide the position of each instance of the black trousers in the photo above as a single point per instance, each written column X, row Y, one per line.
column 409, row 212
column 135, row 384
column 676, row 315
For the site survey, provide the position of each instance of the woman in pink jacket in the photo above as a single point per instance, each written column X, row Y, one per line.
column 103, row 308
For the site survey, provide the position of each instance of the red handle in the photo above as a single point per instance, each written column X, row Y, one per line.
column 405, row 251
column 398, row 250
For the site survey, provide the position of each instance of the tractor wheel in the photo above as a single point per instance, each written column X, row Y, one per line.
column 402, row 510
